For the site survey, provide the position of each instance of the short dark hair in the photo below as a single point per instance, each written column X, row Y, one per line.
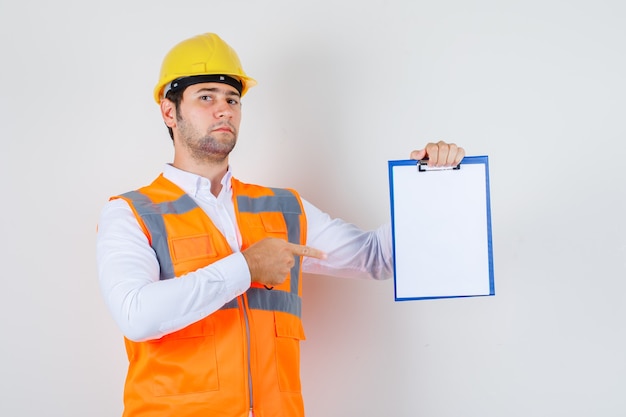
column 175, row 96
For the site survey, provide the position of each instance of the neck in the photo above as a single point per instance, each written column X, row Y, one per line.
column 213, row 171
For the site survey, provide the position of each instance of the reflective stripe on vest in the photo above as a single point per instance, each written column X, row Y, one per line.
column 283, row 201
column 151, row 214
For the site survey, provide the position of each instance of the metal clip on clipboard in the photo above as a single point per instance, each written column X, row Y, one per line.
column 422, row 166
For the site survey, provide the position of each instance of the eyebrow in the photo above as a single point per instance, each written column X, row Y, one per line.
column 224, row 91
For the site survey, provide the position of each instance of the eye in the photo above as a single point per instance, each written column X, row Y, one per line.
column 206, row 98
column 233, row 101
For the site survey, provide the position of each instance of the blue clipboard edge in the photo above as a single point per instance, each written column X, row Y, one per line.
column 482, row 159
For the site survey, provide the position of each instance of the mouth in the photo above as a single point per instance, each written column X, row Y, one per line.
column 226, row 129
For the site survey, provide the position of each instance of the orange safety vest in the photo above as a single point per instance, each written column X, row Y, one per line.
column 244, row 356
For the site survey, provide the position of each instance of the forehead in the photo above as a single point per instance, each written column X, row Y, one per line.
column 218, row 88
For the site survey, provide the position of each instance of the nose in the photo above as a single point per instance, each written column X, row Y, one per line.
column 223, row 109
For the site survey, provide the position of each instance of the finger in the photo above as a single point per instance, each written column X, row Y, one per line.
column 460, row 154
column 417, row 155
column 301, row 250
column 452, row 151
column 442, row 154
column 432, row 152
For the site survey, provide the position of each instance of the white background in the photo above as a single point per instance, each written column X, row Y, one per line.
column 344, row 86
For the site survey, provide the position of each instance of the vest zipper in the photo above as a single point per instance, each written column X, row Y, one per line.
column 244, row 304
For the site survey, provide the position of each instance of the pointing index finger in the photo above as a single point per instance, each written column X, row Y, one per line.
column 301, row 250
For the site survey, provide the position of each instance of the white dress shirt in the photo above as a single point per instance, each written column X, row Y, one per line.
column 145, row 307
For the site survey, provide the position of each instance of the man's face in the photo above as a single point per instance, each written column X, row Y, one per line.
column 207, row 121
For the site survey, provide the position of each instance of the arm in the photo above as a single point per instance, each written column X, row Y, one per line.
column 353, row 252
column 143, row 306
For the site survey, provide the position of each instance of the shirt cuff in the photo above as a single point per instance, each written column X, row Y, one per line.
column 235, row 274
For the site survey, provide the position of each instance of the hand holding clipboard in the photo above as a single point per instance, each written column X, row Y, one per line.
column 440, row 154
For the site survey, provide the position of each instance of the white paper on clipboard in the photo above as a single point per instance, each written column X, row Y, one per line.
column 441, row 225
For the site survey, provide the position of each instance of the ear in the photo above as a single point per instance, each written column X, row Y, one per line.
column 168, row 112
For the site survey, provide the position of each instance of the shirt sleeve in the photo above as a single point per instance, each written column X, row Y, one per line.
column 351, row 251
column 143, row 306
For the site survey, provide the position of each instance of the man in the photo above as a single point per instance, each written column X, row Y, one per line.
column 203, row 273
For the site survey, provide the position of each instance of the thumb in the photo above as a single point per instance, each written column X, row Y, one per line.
column 417, row 155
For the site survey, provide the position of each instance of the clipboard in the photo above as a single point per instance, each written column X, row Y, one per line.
column 441, row 228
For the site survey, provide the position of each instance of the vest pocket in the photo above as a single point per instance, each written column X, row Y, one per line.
column 192, row 247
column 187, row 361
column 289, row 333
column 274, row 224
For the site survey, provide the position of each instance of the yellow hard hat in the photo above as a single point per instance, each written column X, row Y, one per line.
column 203, row 58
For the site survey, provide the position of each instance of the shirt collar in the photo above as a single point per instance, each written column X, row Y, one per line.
column 194, row 184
